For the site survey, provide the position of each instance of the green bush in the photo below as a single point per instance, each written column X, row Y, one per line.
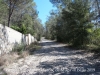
column 19, row 48
column 38, row 37
column 15, row 27
column 21, row 29
column 95, row 39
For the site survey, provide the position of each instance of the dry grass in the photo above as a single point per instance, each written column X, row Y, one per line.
column 24, row 54
column 7, row 59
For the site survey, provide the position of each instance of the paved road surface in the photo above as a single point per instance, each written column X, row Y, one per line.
column 55, row 59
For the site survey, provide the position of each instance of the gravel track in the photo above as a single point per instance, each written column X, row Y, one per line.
column 55, row 59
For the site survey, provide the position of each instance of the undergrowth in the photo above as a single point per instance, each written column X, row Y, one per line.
column 19, row 51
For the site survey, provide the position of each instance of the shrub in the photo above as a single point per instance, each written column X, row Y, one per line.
column 19, row 48
column 96, row 37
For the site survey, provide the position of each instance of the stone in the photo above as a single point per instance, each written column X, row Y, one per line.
column 3, row 41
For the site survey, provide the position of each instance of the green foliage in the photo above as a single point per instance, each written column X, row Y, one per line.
column 19, row 48
column 22, row 16
column 15, row 28
column 3, row 12
column 76, row 23
column 51, row 27
column 96, row 37
column 38, row 29
column 38, row 37
column 71, row 23
column 21, row 29
column 77, row 19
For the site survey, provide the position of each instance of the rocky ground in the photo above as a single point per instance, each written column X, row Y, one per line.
column 56, row 59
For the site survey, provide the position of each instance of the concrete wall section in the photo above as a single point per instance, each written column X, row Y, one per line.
column 9, row 37
column 14, row 36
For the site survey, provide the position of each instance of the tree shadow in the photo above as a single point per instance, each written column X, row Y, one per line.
column 67, row 61
column 58, row 51
column 74, row 62
column 63, row 67
column 48, row 43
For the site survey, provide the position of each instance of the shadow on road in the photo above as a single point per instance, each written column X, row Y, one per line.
column 72, row 62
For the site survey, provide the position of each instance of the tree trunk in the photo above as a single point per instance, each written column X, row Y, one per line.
column 9, row 14
column 9, row 20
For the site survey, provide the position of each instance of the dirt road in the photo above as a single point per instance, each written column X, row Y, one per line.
column 56, row 59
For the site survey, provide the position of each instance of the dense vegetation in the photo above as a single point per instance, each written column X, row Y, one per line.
column 75, row 22
column 22, row 16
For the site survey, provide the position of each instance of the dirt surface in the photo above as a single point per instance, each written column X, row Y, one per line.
column 56, row 59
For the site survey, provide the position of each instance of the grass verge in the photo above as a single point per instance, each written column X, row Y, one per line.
column 19, row 51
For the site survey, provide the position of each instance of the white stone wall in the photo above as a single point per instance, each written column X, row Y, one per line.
column 31, row 39
column 9, row 37
column 14, row 36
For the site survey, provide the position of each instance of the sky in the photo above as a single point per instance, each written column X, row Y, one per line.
column 44, row 7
